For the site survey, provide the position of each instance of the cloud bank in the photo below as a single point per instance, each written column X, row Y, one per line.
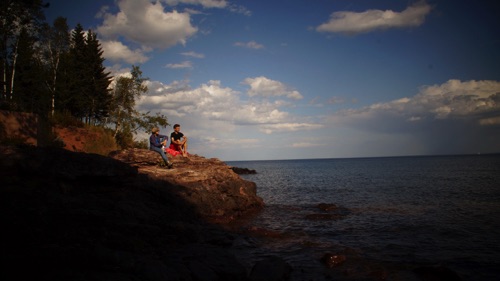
column 265, row 87
column 370, row 20
column 454, row 117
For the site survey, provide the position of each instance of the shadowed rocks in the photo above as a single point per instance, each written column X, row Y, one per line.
column 76, row 216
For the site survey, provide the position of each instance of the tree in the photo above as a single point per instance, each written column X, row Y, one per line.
column 98, row 97
column 16, row 16
column 126, row 119
column 72, row 99
column 83, row 89
column 55, row 46
column 31, row 94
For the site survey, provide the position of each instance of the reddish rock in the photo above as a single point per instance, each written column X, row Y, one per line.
column 217, row 192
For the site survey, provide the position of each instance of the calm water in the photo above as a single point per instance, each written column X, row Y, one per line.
column 396, row 214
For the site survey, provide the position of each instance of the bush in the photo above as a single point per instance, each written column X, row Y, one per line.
column 65, row 119
column 100, row 141
column 125, row 140
column 144, row 144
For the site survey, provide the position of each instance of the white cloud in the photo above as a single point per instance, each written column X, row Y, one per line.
column 116, row 51
column 289, row 127
column 265, row 87
column 470, row 100
column 204, row 3
column 239, row 9
column 490, row 121
column 249, row 45
column 147, row 24
column 218, row 121
column 305, row 144
column 370, row 20
column 184, row 64
column 193, row 54
column 454, row 117
column 226, row 142
column 221, row 4
column 211, row 101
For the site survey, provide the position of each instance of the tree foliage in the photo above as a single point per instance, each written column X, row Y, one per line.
column 19, row 20
column 127, row 120
column 50, row 70
column 55, row 47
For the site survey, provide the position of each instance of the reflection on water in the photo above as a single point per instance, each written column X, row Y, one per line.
column 394, row 214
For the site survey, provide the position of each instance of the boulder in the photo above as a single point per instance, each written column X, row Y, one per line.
column 243, row 171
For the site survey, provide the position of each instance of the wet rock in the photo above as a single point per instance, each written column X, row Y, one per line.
column 327, row 207
column 333, row 260
column 262, row 232
column 329, row 212
column 317, row 217
column 271, row 269
column 243, row 171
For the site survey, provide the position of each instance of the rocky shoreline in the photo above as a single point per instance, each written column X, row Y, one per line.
column 76, row 216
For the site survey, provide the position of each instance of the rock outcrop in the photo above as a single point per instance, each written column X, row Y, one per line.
column 211, row 186
column 76, row 216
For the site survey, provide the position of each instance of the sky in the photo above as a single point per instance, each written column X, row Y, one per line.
column 301, row 79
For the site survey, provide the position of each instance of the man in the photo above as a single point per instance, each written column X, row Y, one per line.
column 178, row 141
column 157, row 142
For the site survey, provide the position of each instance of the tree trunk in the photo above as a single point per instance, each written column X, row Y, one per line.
column 13, row 71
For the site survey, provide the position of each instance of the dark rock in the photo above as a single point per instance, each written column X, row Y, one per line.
column 331, row 260
column 76, row 216
column 243, row 171
column 327, row 207
column 262, row 232
column 317, row 217
column 271, row 269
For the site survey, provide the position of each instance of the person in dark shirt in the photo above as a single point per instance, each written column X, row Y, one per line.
column 157, row 143
column 178, row 141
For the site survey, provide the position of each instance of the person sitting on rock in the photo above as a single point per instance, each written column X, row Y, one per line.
column 157, row 142
column 178, row 141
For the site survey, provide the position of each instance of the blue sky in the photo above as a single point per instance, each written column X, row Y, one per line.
column 258, row 80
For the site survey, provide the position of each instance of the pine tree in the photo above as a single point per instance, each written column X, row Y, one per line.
column 72, row 99
column 29, row 79
column 98, row 99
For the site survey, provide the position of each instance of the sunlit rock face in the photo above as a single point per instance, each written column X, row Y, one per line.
column 216, row 191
